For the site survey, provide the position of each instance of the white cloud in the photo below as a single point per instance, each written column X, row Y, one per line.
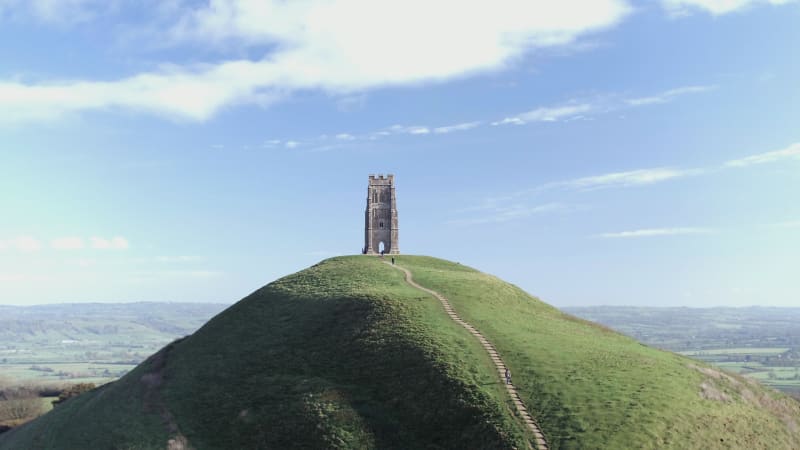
column 334, row 46
column 503, row 208
column 789, row 224
column 579, row 109
column 67, row 243
column 715, row 7
column 271, row 143
column 21, row 243
column 655, row 232
column 667, row 96
column 402, row 129
column 546, row 114
column 189, row 93
column 498, row 214
column 566, row 112
column 12, row 277
column 115, row 243
column 626, row 179
column 790, row 152
column 457, row 127
column 179, row 259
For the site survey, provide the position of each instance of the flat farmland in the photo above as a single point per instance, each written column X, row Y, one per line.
column 89, row 343
column 761, row 343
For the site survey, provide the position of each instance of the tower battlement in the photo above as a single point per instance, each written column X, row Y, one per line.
column 380, row 180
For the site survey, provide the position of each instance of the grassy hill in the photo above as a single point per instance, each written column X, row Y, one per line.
column 346, row 355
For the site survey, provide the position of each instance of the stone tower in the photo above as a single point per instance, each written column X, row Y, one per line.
column 380, row 228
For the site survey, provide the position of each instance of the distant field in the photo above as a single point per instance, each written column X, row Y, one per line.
column 87, row 372
column 736, row 351
column 761, row 343
column 92, row 342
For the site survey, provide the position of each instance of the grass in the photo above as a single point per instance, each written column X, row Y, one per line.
column 342, row 355
column 594, row 388
column 346, row 355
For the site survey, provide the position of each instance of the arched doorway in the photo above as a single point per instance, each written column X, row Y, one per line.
column 381, row 248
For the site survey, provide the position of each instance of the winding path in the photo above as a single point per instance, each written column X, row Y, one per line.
column 541, row 443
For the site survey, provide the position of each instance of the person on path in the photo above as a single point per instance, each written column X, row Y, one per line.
column 392, row 260
column 508, row 376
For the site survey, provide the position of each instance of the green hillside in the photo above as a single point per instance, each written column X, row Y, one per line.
column 346, row 355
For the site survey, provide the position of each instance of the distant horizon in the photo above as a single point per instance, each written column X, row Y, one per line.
column 591, row 152
column 68, row 303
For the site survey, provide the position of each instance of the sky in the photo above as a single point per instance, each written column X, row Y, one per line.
column 597, row 152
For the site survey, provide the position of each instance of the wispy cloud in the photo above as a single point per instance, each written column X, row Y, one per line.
column 578, row 109
column 179, row 259
column 67, row 243
column 715, row 7
column 321, row 143
column 629, row 178
column 546, row 114
column 786, row 224
column 114, row 243
column 650, row 232
column 568, row 111
column 16, row 277
column 790, row 152
column 498, row 214
column 668, row 96
column 148, row 275
column 403, row 129
column 457, row 127
column 31, row 244
column 21, row 243
column 509, row 207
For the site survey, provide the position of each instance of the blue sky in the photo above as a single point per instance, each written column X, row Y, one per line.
column 591, row 152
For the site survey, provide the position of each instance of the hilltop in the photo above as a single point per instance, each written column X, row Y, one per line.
column 345, row 354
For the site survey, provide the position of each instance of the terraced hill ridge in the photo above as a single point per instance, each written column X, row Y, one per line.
column 346, row 354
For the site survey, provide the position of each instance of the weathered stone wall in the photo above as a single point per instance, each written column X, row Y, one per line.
column 380, row 224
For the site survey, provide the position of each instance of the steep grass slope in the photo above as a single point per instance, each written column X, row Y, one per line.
column 346, row 355
column 341, row 355
column 591, row 387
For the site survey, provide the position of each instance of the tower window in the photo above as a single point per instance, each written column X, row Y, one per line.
column 381, row 225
